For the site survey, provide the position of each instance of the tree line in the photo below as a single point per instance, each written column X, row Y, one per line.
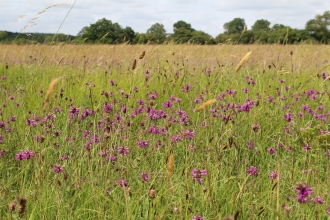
column 104, row 31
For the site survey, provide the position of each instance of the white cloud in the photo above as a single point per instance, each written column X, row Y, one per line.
column 206, row 15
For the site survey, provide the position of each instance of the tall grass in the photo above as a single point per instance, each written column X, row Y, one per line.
column 104, row 147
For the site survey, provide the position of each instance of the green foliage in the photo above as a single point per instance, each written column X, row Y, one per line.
column 104, row 31
column 261, row 25
column 156, row 33
column 235, row 26
column 319, row 27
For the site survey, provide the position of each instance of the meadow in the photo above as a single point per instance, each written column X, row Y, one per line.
column 164, row 132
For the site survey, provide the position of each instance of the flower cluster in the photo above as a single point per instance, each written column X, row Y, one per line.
column 26, row 155
column 197, row 175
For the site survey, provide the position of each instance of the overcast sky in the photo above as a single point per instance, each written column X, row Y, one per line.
column 205, row 15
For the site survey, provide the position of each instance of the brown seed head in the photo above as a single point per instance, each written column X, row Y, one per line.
column 134, row 64
column 142, row 55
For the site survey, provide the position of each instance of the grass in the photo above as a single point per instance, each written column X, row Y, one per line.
column 82, row 155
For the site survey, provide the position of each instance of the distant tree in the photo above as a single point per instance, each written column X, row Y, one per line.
column 261, row 25
column 181, row 35
column 156, row 33
column 235, row 26
column 3, row 35
column 319, row 27
column 200, row 37
column 104, row 31
column 82, row 31
column 182, row 24
column 277, row 26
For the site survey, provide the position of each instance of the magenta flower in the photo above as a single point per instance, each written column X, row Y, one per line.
column 197, row 175
column 123, row 183
column 252, row 171
column 144, row 176
column 58, row 168
column 123, row 150
column 271, row 150
column 303, row 192
column 249, row 144
column 328, row 210
column 197, row 218
column 273, row 175
column 143, row 143
column 288, row 117
column 318, row 200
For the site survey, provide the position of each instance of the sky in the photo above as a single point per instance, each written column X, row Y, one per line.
column 204, row 15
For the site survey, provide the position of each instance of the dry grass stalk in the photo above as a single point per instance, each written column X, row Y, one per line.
column 243, row 60
column 170, row 166
column 209, row 102
column 142, row 55
column 104, row 36
column 49, row 91
column 134, row 64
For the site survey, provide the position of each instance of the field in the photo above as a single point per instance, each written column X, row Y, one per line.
column 164, row 132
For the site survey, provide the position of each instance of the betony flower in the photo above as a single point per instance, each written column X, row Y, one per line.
column 197, row 175
column 273, row 175
column 252, row 171
column 58, row 168
column 123, row 183
column 143, row 143
column 303, row 192
column 144, row 176
column 123, row 150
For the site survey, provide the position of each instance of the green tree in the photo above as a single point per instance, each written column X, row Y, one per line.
column 237, row 25
column 200, row 37
column 104, row 31
column 261, row 25
column 182, row 24
column 156, row 33
column 3, row 35
column 278, row 26
column 319, row 27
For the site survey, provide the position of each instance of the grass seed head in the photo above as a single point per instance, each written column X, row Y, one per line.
column 209, row 102
column 243, row 60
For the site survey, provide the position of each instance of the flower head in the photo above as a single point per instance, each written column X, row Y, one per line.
column 303, row 192
column 197, row 175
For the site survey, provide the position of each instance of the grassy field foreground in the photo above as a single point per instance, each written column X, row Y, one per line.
column 113, row 132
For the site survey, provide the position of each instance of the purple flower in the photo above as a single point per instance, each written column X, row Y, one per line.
column 328, row 210
column 176, row 138
column 123, row 151
column 26, row 155
column 107, row 107
column 271, row 150
column 252, row 171
column 273, row 175
column 144, row 176
column 188, row 134
column 123, row 183
column 186, row 88
column 58, row 168
column 143, row 143
column 288, row 117
column 303, row 192
column 197, row 175
column 197, row 218
column 167, row 104
column 255, row 127
column 318, row 200
column 111, row 158
column 307, row 147
column 249, row 144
